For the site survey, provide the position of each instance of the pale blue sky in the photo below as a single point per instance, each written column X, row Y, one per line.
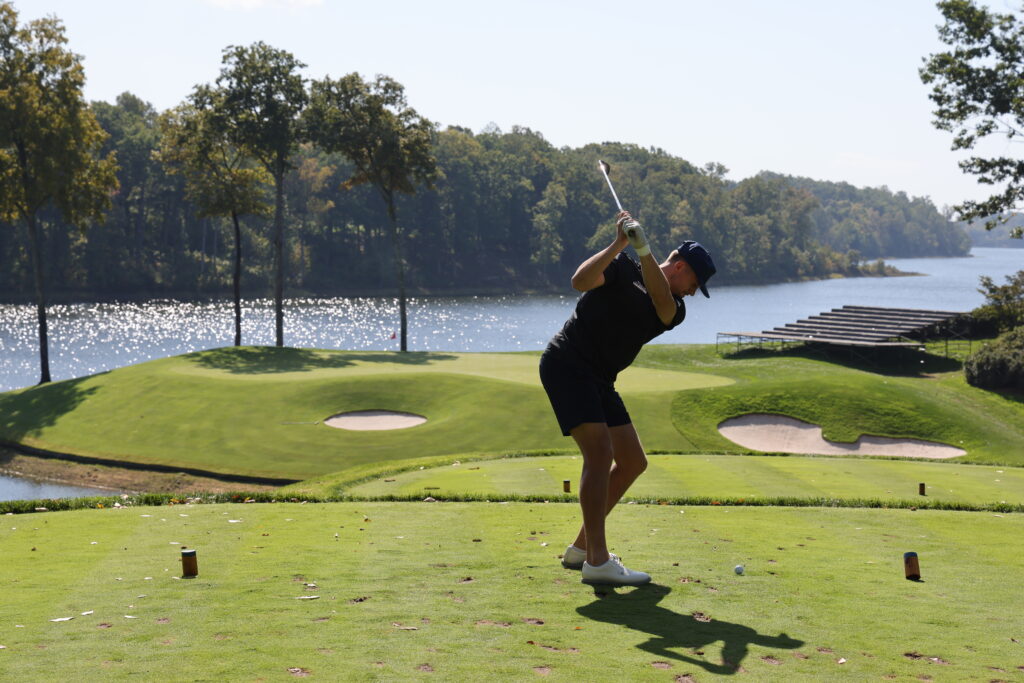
column 817, row 88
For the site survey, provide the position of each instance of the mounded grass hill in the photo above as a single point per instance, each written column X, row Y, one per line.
column 260, row 411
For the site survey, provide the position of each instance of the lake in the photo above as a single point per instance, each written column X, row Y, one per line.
column 89, row 338
column 19, row 488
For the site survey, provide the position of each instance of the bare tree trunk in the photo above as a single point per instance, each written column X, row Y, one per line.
column 279, row 257
column 396, row 241
column 236, row 279
column 37, row 267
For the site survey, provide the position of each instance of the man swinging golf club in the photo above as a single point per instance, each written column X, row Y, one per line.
column 623, row 306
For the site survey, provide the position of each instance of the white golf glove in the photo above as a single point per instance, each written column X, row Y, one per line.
column 637, row 238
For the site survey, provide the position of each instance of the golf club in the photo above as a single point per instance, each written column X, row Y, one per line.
column 605, row 168
column 630, row 224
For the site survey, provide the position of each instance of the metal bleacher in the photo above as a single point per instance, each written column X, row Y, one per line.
column 855, row 326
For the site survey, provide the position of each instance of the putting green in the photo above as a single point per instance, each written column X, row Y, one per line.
column 465, row 592
column 728, row 477
column 244, row 365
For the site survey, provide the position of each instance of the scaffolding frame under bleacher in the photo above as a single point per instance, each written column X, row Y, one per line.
column 861, row 328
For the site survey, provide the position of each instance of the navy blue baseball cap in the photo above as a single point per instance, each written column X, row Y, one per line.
column 700, row 261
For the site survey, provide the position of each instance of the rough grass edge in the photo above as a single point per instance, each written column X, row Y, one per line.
column 13, row 507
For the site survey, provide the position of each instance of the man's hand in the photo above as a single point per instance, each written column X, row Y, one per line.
column 634, row 233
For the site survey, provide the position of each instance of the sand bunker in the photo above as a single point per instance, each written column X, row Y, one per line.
column 368, row 420
column 780, row 434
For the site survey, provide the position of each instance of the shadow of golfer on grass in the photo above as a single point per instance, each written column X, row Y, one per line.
column 670, row 631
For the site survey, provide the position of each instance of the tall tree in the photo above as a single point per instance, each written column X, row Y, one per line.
column 389, row 144
column 219, row 177
column 49, row 141
column 263, row 97
column 978, row 91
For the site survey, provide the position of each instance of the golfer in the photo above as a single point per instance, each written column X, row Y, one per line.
column 624, row 305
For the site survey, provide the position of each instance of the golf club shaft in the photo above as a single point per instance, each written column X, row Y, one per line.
column 604, row 171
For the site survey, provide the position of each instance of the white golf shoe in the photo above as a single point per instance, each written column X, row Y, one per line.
column 574, row 558
column 613, row 573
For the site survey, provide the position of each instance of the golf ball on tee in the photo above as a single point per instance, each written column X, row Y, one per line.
column 739, row 569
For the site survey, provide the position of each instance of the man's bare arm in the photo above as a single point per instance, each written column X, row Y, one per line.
column 590, row 274
column 658, row 289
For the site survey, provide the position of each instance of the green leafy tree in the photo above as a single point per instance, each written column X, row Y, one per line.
column 262, row 98
column 49, row 141
column 978, row 91
column 386, row 140
column 219, row 177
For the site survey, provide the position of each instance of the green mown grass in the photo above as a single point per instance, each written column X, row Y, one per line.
column 725, row 477
column 823, row 597
column 251, row 411
column 846, row 402
column 259, row 411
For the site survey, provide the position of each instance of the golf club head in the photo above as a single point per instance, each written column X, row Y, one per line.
column 604, row 166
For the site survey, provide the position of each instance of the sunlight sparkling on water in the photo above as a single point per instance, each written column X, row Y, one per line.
column 90, row 338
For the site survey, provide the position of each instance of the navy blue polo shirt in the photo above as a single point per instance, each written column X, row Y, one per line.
column 611, row 323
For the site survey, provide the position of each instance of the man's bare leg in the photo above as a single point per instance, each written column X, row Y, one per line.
column 630, row 461
column 595, row 443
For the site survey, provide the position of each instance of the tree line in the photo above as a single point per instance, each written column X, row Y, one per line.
column 507, row 211
column 265, row 181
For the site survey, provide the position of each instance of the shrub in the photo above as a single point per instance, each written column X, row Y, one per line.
column 999, row 364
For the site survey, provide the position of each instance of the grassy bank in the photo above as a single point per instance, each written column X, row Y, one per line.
column 722, row 477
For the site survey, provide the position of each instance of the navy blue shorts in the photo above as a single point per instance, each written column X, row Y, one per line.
column 576, row 395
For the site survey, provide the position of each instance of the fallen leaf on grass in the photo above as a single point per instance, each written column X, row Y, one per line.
column 308, row 597
column 85, row 614
column 825, row 650
column 534, row 622
column 3, row 647
column 700, row 616
column 771, row 660
column 800, row 655
column 542, row 670
column 62, row 619
column 468, row 579
column 685, row 678
column 661, row 665
column 424, row 667
column 163, row 620
column 104, row 625
column 404, row 628
column 128, row 616
column 488, row 622
column 353, row 601
column 841, row 660
column 298, row 671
